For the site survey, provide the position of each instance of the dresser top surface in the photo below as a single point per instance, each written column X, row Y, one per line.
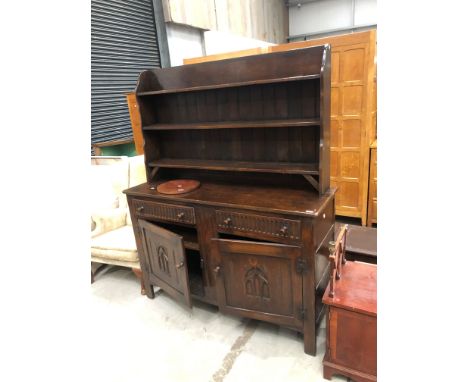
column 258, row 198
column 356, row 290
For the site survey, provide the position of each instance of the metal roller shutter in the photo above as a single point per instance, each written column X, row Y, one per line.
column 123, row 43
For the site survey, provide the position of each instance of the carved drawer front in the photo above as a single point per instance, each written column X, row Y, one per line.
column 260, row 225
column 163, row 211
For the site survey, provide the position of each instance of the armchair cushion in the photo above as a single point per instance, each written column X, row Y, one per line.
column 107, row 220
column 109, row 177
column 103, row 194
column 118, row 244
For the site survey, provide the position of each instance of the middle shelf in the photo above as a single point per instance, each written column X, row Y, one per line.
column 234, row 124
column 223, row 165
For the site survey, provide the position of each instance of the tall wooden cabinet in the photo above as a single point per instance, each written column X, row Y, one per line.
column 352, row 109
column 253, row 238
column 372, row 202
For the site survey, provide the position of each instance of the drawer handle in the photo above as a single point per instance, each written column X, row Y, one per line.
column 140, row 209
column 284, row 230
column 228, row 221
column 180, row 215
column 180, row 265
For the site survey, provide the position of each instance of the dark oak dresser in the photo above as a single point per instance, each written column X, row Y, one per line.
column 253, row 238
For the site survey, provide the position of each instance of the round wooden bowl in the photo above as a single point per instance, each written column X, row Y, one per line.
column 178, row 186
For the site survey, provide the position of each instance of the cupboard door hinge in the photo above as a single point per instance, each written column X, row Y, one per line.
column 300, row 265
column 302, row 313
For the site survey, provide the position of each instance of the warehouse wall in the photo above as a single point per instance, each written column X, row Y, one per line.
column 188, row 42
column 265, row 20
column 321, row 16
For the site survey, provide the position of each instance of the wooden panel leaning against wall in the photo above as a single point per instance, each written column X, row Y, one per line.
column 372, row 202
column 352, row 130
column 135, row 120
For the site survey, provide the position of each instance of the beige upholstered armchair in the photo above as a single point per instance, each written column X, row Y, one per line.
column 112, row 238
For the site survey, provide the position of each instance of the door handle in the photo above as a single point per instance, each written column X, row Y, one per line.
column 180, row 265
column 216, row 270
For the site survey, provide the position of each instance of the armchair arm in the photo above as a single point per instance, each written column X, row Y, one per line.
column 106, row 221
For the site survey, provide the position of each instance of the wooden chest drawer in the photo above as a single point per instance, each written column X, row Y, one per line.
column 164, row 211
column 257, row 225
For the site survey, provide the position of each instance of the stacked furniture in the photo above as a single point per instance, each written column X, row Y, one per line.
column 372, row 202
column 361, row 243
column 352, row 316
column 252, row 239
column 353, row 113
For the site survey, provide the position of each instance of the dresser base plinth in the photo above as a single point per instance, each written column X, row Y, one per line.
column 330, row 368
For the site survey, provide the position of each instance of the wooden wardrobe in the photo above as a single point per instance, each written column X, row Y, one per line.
column 352, row 109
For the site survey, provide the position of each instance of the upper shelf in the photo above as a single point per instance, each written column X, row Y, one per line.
column 230, row 85
column 235, row 124
column 219, row 165
column 293, row 65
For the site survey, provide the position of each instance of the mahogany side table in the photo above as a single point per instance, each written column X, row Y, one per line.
column 352, row 324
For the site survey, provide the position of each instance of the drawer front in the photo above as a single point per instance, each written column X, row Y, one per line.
column 269, row 227
column 163, row 211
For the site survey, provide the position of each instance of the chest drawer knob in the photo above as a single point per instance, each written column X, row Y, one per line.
column 140, row 209
column 228, row 221
column 284, row 230
column 181, row 215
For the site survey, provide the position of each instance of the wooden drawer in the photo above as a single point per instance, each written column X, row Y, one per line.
column 162, row 211
column 258, row 226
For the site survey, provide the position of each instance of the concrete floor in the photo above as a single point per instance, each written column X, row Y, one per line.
column 160, row 340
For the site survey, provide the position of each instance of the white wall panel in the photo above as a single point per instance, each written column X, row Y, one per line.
column 184, row 42
column 365, row 12
column 325, row 15
column 219, row 42
column 320, row 15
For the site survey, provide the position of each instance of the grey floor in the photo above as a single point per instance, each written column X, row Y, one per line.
column 160, row 340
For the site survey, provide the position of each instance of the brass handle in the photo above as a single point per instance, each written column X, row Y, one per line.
column 216, row 270
column 227, row 221
column 180, row 215
column 284, row 230
column 180, row 265
column 139, row 209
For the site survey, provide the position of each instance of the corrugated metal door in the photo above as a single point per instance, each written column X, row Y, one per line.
column 123, row 43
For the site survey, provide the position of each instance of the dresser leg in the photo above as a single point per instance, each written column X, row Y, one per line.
column 310, row 346
column 149, row 290
column 146, row 287
column 138, row 274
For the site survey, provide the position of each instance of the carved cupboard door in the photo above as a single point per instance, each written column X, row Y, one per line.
column 259, row 280
column 165, row 261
